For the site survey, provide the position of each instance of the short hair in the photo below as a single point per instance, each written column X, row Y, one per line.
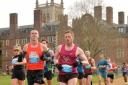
column 87, row 52
column 69, row 31
column 17, row 46
column 34, row 30
column 44, row 40
column 124, row 63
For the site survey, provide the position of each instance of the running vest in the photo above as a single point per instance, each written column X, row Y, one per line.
column 68, row 58
column 15, row 59
column 33, row 58
column 112, row 67
column 89, row 71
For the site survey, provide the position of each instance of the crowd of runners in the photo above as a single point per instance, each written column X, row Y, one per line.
column 38, row 63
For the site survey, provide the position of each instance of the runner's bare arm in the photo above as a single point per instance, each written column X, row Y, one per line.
column 24, row 51
column 57, row 54
column 52, row 53
column 25, row 47
column 82, row 56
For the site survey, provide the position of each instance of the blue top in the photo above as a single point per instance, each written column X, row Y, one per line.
column 103, row 65
column 80, row 68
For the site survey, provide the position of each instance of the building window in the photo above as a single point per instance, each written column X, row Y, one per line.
column 7, row 42
column 51, row 39
column 56, row 17
column 48, row 17
column 44, row 17
column 42, row 38
column 17, row 41
column 122, row 30
column 3, row 42
column 6, row 53
column 24, row 41
column 120, row 53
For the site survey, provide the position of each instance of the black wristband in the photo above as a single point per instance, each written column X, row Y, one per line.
column 59, row 67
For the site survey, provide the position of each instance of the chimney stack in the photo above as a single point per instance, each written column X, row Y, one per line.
column 13, row 28
column 38, row 20
column 121, row 17
column 109, row 15
column 98, row 12
column 13, row 24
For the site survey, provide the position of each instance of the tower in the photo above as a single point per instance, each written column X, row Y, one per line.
column 46, row 2
column 51, row 11
column 62, row 3
column 37, row 4
column 52, row 2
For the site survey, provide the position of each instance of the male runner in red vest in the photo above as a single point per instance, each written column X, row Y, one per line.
column 66, row 55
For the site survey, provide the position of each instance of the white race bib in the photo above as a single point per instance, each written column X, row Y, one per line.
column 66, row 68
column 33, row 58
column 14, row 61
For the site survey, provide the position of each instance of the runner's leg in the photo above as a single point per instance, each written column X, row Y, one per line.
column 72, row 81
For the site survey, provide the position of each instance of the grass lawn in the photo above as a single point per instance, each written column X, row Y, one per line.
column 6, row 80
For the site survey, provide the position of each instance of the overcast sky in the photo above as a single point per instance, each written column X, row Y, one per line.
column 25, row 8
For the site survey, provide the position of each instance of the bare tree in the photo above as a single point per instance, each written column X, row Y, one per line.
column 96, row 36
column 81, row 7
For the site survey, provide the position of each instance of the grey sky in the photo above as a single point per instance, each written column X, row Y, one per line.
column 25, row 8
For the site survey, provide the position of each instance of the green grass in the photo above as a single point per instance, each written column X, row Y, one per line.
column 6, row 80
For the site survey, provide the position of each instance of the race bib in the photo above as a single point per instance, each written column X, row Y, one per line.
column 67, row 68
column 14, row 61
column 88, row 67
column 33, row 58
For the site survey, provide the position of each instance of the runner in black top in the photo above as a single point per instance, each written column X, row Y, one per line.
column 18, row 61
